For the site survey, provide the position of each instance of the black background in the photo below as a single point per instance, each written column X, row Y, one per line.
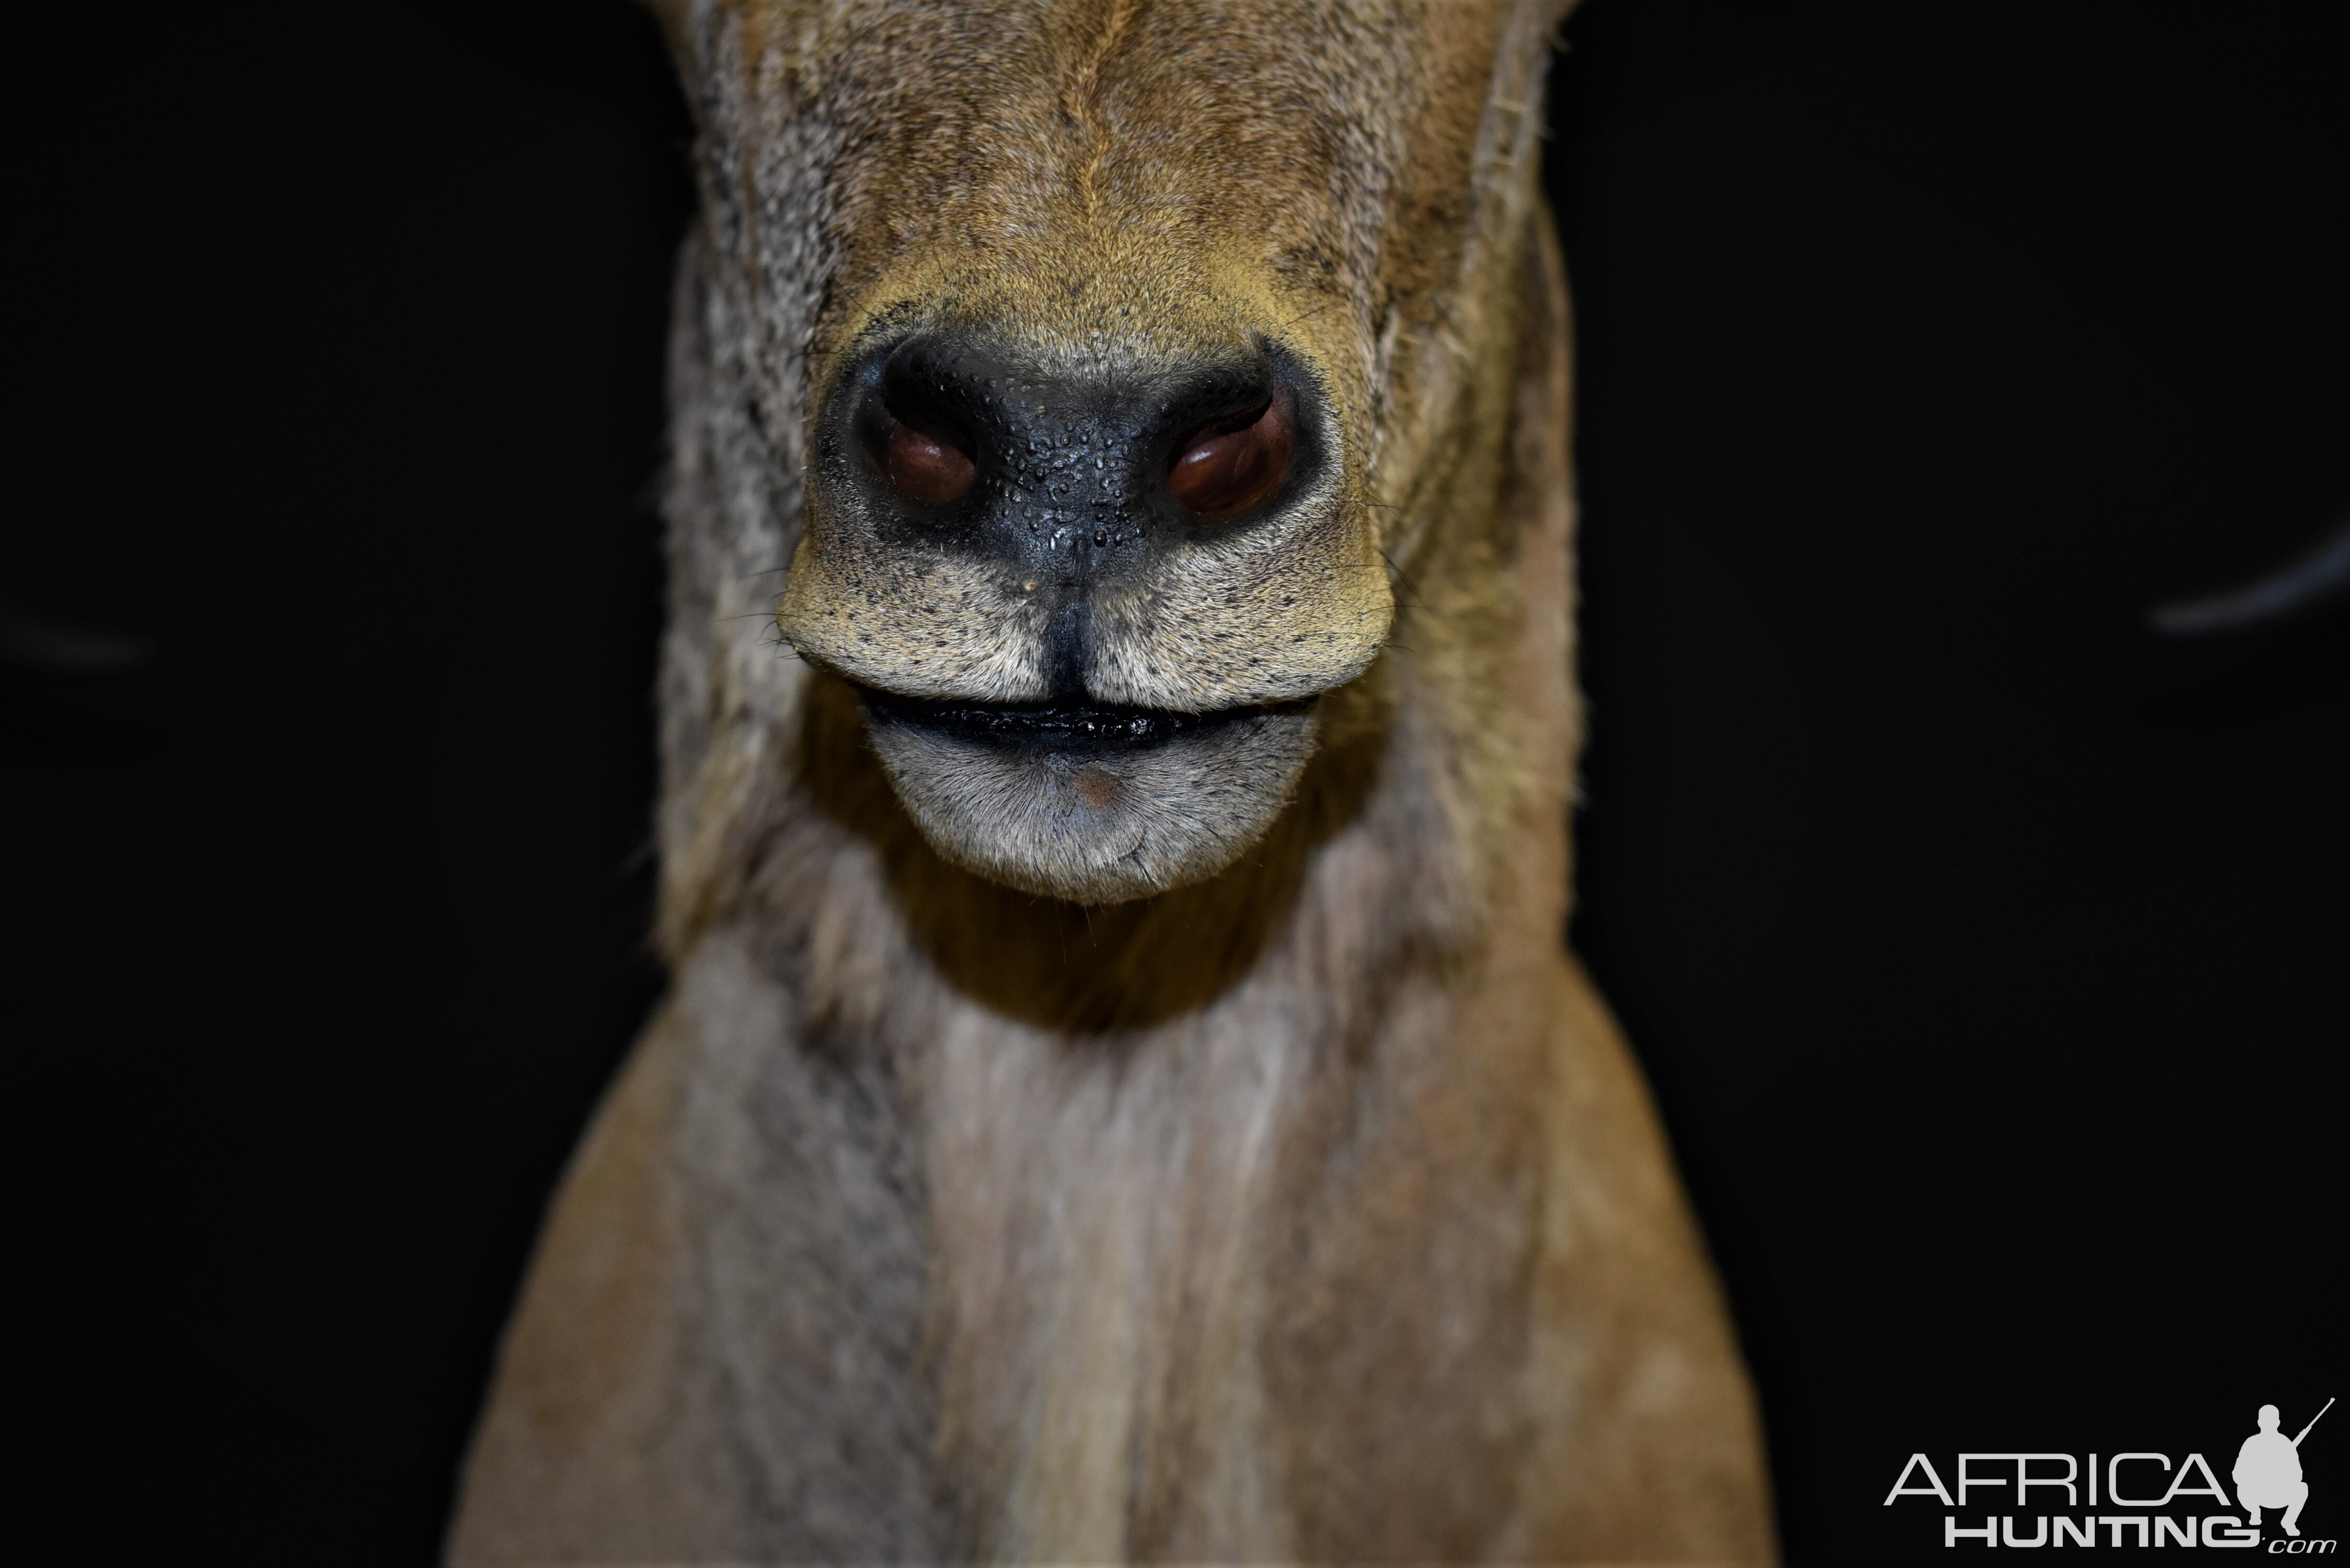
column 1987, row 953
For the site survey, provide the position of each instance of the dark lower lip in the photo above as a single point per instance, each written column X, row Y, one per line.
column 1057, row 726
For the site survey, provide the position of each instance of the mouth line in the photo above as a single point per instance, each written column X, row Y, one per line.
column 1059, row 724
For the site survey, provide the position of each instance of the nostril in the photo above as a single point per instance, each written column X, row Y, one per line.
column 1230, row 464
column 927, row 466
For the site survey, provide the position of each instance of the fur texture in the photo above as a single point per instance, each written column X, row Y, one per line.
column 1101, row 829
column 1308, row 1208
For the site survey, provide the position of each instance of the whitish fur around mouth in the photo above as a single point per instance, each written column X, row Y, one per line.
column 1092, row 803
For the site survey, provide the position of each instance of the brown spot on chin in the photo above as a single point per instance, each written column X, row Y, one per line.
column 1096, row 786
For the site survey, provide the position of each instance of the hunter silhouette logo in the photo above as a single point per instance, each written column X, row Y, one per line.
column 2166, row 1504
column 2268, row 1471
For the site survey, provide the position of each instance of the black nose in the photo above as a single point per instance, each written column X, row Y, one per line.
column 948, row 438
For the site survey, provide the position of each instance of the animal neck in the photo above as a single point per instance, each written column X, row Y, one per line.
column 1120, row 1168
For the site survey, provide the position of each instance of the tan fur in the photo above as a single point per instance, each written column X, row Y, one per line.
column 1309, row 1208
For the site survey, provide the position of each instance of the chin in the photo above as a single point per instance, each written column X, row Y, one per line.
column 1089, row 802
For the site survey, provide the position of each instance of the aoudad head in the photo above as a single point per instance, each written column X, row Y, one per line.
column 1116, row 334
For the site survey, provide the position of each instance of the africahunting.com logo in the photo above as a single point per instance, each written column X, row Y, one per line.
column 2145, row 1500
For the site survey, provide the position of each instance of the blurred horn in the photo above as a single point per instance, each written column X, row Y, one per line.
column 2319, row 575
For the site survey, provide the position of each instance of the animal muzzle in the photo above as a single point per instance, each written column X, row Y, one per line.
column 989, row 522
column 1090, row 591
